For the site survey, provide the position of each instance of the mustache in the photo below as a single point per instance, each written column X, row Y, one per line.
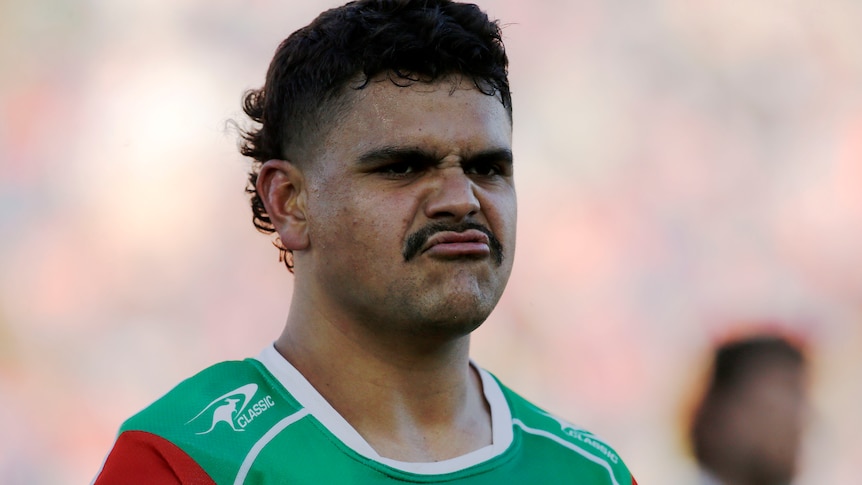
column 414, row 243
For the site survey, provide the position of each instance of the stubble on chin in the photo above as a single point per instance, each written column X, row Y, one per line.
column 445, row 307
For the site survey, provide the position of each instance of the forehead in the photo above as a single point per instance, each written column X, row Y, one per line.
column 448, row 116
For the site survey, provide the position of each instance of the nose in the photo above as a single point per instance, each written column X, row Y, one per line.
column 453, row 195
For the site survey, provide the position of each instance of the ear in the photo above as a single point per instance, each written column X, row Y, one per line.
column 281, row 187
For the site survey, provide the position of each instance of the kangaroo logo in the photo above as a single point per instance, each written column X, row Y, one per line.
column 227, row 411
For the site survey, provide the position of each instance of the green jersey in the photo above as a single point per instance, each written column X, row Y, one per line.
column 260, row 421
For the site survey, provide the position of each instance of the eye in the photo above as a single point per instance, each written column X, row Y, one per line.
column 485, row 169
column 399, row 168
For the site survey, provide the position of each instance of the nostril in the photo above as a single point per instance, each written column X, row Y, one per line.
column 451, row 194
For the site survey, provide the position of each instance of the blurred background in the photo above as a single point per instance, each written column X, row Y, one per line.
column 685, row 170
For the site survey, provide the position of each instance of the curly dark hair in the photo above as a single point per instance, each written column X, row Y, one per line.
column 315, row 68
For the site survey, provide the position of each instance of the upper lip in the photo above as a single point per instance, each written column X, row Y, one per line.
column 446, row 237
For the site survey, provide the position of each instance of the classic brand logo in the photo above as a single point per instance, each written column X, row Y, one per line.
column 584, row 437
column 227, row 412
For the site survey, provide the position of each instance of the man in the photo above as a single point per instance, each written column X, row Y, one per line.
column 748, row 427
column 383, row 165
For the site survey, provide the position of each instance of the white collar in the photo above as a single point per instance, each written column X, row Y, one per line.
column 316, row 404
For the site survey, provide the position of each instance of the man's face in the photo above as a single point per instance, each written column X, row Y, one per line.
column 411, row 210
column 767, row 420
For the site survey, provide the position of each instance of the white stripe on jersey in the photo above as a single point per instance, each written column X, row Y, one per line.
column 263, row 441
column 586, row 454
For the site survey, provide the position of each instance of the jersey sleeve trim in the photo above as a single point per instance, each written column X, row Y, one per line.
column 139, row 457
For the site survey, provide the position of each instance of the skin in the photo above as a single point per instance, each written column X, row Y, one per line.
column 761, row 427
column 384, row 338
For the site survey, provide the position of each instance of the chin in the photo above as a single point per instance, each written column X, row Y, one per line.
column 449, row 308
column 446, row 329
column 460, row 319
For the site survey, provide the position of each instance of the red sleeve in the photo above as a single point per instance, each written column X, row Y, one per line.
column 139, row 457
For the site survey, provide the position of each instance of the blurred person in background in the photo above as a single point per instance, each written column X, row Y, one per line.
column 748, row 427
column 382, row 163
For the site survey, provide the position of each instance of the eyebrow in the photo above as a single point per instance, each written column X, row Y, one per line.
column 418, row 155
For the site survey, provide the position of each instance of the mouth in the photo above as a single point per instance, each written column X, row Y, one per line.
column 450, row 245
column 467, row 240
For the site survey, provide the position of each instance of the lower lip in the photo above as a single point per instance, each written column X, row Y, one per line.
column 455, row 250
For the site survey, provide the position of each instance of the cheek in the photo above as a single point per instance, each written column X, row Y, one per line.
column 502, row 212
column 367, row 226
column 330, row 215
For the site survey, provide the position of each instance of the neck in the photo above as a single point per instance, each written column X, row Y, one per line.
column 412, row 398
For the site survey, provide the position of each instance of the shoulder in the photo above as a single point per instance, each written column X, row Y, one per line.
column 560, row 433
column 203, row 427
column 225, row 395
column 208, row 388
